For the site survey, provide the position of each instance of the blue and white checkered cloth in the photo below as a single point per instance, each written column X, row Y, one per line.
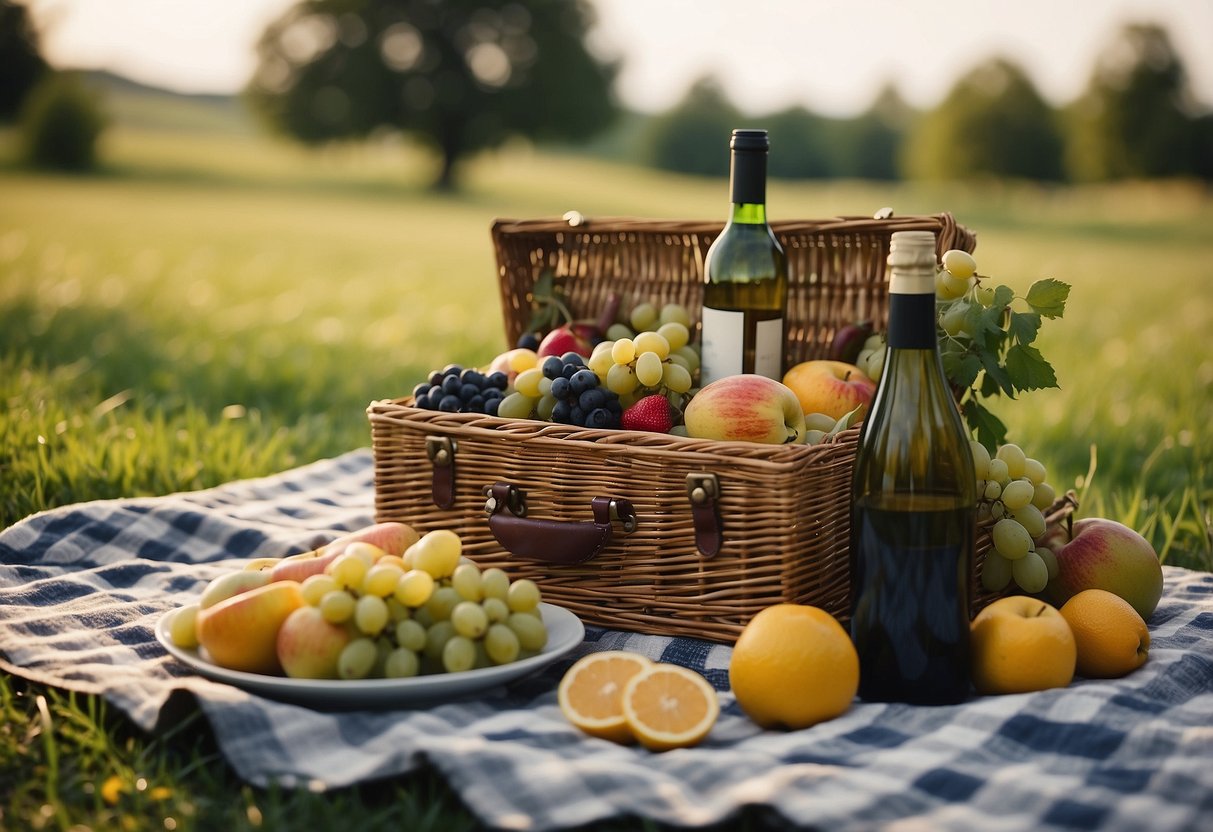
column 81, row 589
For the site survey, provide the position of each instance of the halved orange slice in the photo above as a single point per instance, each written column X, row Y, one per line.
column 668, row 706
column 591, row 692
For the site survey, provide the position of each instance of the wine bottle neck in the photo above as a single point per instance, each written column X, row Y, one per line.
column 749, row 213
column 912, row 322
column 748, row 178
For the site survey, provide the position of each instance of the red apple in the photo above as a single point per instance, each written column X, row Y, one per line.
column 834, row 388
column 746, row 408
column 1105, row 554
column 567, row 338
column 309, row 646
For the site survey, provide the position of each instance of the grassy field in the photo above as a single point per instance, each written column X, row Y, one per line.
column 214, row 307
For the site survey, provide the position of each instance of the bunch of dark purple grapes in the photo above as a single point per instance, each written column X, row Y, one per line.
column 456, row 390
column 579, row 398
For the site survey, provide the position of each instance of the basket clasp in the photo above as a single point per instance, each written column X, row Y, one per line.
column 703, row 490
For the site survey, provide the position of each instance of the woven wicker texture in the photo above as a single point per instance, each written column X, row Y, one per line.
column 784, row 510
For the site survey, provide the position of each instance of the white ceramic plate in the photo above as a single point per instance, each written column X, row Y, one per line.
column 565, row 632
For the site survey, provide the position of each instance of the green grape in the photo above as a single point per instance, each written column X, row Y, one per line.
column 545, row 387
column 953, row 318
column 675, row 358
column 422, row 616
column 959, row 262
column 397, row 611
column 648, row 369
column 984, row 295
column 381, row 579
column 523, row 595
column 949, row 287
column 1017, row 494
column 469, row 619
column 501, row 644
column 995, row 572
column 1015, row 459
column 1031, row 518
column 411, row 635
column 442, row 602
column 676, row 378
column 383, row 649
column 1049, row 559
column 1043, row 496
column 516, row 406
column 414, row 588
column 494, row 583
column 620, row 379
column 643, row 316
column 315, row 587
column 1011, row 539
column 370, row 614
column 876, row 365
column 532, row 635
column 468, row 582
column 495, row 609
column 1034, row 470
column 992, row 490
column 527, row 382
column 624, row 351
column 675, row 313
column 436, row 638
column 602, row 346
column 368, row 553
column 348, row 570
column 692, row 357
column 546, row 405
column 999, row 472
column 458, row 654
column 601, row 363
column 337, row 606
column 651, row 342
column 357, row 659
column 616, row 331
column 1030, row 573
column 981, row 459
column 437, row 552
column 401, row 663
column 676, row 334
column 182, row 627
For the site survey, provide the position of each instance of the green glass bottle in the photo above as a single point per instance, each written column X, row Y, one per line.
column 745, row 275
column 913, row 521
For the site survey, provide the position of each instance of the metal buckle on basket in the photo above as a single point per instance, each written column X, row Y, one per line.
column 440, row 450
column 626, row 517
column 702, row 487
column 515, row 501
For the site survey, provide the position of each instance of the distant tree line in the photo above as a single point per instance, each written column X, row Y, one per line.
column 1136, row 119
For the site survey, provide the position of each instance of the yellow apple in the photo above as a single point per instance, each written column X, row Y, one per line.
column 309, row 646
column 834, row 388
column 241, row 632
column 1021, row 644
column 746, row 408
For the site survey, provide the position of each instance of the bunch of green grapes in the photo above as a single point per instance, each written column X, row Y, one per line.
column 1013, row 492
column 430, row 611
column 658, row 358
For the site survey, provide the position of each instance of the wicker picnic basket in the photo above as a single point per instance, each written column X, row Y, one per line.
column 640, row 531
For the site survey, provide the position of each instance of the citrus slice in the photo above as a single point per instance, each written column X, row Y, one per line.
column 591, row 692
column 667, row 706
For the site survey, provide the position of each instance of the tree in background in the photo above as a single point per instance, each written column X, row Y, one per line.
column 21, row 64
column 992, row 123
column 869, row 147
column 1137, row 117
column 462, row 75
column 693, row 135
column 61, row 121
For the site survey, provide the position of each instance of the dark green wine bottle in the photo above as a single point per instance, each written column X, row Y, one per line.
column 745, row 275
column 913, row 520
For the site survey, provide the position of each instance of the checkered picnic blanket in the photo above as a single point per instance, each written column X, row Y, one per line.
column 81, row 589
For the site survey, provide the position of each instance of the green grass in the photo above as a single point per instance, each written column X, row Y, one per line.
column 224, row 306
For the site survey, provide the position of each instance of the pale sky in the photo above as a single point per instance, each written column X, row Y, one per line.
column 828, row 55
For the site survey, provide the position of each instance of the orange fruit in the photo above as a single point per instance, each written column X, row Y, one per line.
column 1020, row 644
column 590, row 693
column 795, row 666
column 668, row 706
column 1112, row 637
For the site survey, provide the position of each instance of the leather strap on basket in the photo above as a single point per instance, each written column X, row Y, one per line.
column 441, row 451
column 703, row 489
column 553, row 541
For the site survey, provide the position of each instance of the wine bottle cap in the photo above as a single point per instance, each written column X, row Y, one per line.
column 752, row 140
column 912, row 256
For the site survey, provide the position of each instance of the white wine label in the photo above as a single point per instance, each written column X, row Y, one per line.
column 723, row 344
column 768, row 348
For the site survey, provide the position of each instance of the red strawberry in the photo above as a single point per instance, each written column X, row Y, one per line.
column 650, row 413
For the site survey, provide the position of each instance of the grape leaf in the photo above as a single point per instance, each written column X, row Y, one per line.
column 961, row 368
column 1024, row 326
column 998, row 373
column 1028, row 369
column 990, row 430
column 1048, row 297
column 1003, row 295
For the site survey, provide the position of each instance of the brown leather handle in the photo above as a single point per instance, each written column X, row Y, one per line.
column 561, row 542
